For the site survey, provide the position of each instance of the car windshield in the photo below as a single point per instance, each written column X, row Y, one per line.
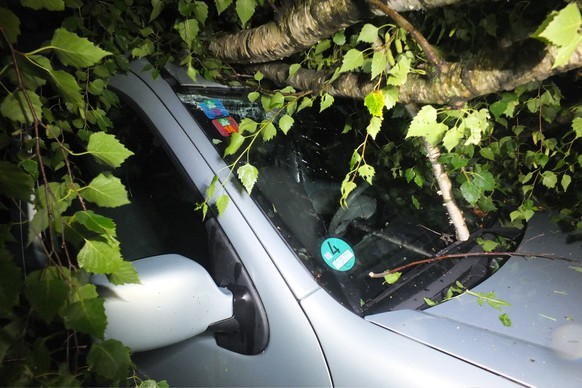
column 381, row 227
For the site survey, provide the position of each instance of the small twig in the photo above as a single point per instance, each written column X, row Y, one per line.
column 462, row 255
column 430, row 52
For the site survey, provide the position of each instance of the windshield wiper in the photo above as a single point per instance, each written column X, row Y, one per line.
column 391, row 239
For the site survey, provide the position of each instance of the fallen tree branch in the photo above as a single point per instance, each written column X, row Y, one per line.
column 486, row 73
column 299, row 25
column 469, row 254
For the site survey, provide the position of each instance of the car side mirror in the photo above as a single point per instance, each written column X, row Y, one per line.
column 176, row 299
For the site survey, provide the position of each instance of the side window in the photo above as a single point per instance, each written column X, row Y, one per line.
column 161, row 217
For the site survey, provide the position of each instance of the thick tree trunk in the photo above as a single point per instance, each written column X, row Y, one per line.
column 299, row 24
column 485, row 74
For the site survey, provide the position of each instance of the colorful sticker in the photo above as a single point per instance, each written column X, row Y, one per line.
column 213, row 109
column 226, row 126
column 338, row 254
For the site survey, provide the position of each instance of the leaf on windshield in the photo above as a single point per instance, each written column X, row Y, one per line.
column 393, row 277
column 285, row 123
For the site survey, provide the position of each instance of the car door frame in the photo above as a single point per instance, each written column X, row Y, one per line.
column 293, row 355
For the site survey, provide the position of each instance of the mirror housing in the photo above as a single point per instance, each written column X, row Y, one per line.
column 176, row 299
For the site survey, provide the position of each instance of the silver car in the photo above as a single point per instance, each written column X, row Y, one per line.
column 276, row 291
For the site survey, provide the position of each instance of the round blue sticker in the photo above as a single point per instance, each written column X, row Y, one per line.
column 338, row 254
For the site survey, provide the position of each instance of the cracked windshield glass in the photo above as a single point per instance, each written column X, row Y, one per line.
column 385, row 225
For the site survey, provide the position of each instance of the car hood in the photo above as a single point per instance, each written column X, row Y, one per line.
column 543, row 345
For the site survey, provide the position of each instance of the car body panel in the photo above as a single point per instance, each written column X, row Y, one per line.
column 361, row 353
column 545, row 337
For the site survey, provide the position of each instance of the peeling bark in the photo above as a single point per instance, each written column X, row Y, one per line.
column 296, row 27
column 485, row 74
column 299, row 25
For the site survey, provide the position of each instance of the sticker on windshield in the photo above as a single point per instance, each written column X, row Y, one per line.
column 338, row 254
column 213, row 109
column 225, row 125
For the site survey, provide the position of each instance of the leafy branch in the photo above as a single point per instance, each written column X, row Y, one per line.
column 482, row 298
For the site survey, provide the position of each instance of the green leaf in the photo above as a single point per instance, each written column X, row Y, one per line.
column 565, row 182
column 470, row 192
column 10, row 284
column 96, row 222
column 379, row 64
column 188, row 31
column 47, row 292
column 326, row 101
column 236, row 141
column 339, row 38
column 69, row 89
column 453, row 137
column 99, row 257
column 294, row 68
column 245, row 9
column 374, row 127
column 51, row 5
column 429, row 302
column 368, row 34
column 477, row 122
column 247, row 125
column 353, row 59
column 504, row 318
column 346, row 188
column 253, row 96
column 393, row 277
column 269, row 131
column 86, row 316
column 560, row 28
column 367, row 172
column 285, row 123
column 425, row 124
column 14, row 182
column 248, row 175
column 124, row 273
column 374, row 101
column 110, row 359
column 76, row 51
column 154, row 384
column 15, row 107
column 398, row 74
column 564, row 53
column 108, row 149
column 201, row 11
column 10, row 24
column 322, row 46
column 484, row 180
column 106, row 191
column 549, row 179
column 157, row 7
column 221, row 203
column 577, row 127
column 390, row 97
